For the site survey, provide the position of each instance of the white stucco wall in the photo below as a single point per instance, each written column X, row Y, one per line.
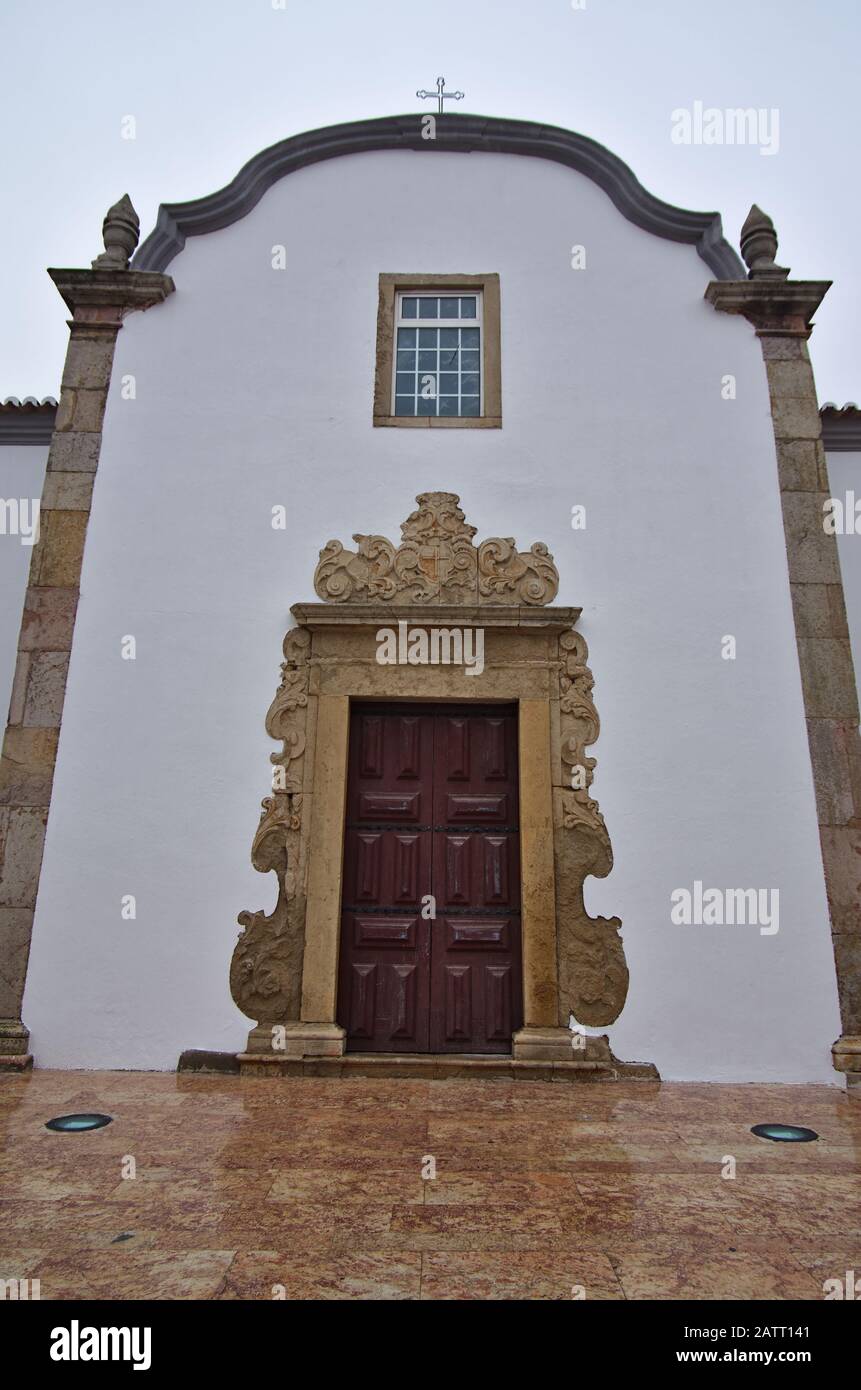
column 254, row 388
column 844, row 475
column 22, row 472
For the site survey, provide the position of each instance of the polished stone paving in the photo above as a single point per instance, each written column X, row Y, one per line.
column 305, row 1188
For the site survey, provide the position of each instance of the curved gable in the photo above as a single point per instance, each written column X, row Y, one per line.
column 455, row 134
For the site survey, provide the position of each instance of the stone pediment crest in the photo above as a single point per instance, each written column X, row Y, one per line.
column 436, row 562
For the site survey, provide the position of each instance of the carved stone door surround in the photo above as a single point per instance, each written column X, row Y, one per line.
column 284, row 971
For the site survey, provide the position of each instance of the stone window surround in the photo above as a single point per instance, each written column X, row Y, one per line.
column 389, row 287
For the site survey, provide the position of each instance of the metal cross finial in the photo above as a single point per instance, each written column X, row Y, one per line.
column 441, row 94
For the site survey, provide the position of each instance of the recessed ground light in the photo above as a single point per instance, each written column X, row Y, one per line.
column 785, row 1134
column 72, row 1124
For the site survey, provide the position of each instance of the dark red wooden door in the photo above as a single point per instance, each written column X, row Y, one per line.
column 432, row 827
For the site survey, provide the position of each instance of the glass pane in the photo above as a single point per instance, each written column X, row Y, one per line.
column 469, row 361
column 427, row 361
column 406, row 337
column 469, row 337
column 405, row 383
column 448, row 405
column 448, row 383
column 469, row 405
column 405, row 405
column 448, row 337
column 428, row 337
column 406, row 361
column 469, row 385
column 467, row 307
column 428, row 308
column 408, row 308
column 448, row 308
column 426, row 407
column 448, row 359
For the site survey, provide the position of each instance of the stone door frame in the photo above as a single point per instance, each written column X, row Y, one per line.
column 284, row 973
column 344, row 671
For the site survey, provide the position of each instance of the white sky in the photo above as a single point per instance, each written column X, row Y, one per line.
column 211, row 82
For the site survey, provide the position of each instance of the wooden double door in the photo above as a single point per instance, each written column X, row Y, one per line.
column 430, row 957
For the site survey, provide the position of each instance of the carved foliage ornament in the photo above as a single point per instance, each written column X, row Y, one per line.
column 266, row 971
column 436, row 562
column 593, row 975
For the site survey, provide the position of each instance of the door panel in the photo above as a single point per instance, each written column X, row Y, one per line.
column 475, row 945
column 432, row 809
column 384, row 971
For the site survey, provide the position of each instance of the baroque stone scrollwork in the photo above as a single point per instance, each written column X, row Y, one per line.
column 593, row 975
column 266, row 971
column 436, row 562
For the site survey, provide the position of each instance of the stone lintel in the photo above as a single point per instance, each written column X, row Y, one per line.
column 784, row 307
column 325, row 615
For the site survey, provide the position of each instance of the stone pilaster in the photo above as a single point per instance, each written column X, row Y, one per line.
column 99, row 300
column 781, row 311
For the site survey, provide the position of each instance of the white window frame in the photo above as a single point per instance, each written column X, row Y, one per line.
column 462, row 292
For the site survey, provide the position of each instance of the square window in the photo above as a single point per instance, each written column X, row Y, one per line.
column 437, row 337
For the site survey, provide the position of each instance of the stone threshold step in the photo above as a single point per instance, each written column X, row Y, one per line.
column 450, row 1066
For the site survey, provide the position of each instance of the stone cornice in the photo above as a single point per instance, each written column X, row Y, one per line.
column 772, row 305
column 454, row 134
column 106, row 296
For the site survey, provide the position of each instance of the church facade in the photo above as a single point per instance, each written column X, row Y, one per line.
column 375, row 478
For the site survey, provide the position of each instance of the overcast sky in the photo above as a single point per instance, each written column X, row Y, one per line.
column 211, row 82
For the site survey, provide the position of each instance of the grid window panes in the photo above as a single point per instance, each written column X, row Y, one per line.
column 438, row 354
